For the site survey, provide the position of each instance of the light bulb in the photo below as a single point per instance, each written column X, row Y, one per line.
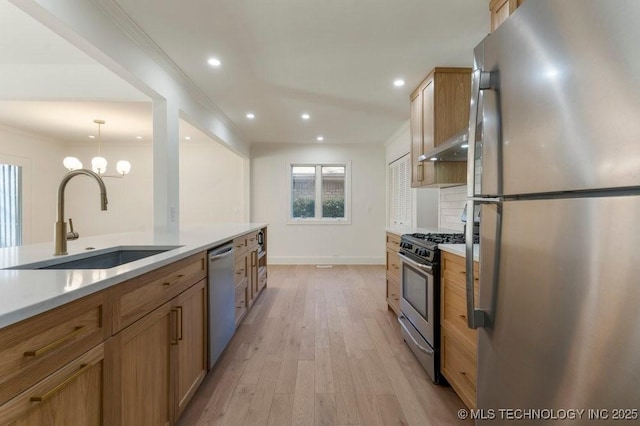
column 123, row 167
column 72, row 163
column 99, row 165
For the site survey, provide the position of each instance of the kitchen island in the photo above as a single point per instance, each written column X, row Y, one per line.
column 118, row 346
column 26, row 293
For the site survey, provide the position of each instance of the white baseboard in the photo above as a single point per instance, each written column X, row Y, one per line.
column 325, row 260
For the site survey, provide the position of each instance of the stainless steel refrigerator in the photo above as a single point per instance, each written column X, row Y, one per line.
column 554, row 163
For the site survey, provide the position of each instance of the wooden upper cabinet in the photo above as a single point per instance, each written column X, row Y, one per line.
column 501, row 10
column 439, row 111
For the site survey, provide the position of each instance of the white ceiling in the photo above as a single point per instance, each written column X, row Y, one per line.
column 334, row 59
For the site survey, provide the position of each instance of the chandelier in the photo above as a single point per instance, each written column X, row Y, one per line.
column 99, row 163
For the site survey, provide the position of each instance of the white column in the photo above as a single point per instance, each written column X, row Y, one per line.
column 166, row 173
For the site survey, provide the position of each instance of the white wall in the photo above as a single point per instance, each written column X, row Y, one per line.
column 212, row 181
column 361, row 242
column 130, row 205
column 425, row 200
column 212, row 185
column 41, row 160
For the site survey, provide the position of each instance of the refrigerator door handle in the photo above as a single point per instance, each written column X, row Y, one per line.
column 480, row 80
column 475, row 317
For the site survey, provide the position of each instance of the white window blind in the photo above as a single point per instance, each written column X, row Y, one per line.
column 400, row 201
column 10, row 205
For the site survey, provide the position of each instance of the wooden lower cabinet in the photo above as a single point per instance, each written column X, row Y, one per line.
column 143, row 379
column 73, row 395
column 191, row 363
column 162, row 360
column 459, row 343
column 393, row 275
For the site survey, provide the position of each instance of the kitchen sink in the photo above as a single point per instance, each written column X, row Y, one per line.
column 99, row 259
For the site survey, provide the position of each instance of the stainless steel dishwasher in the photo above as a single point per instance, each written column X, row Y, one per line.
column 221, row 300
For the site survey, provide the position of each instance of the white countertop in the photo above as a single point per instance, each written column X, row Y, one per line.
column 25, row 293
column 460, row 250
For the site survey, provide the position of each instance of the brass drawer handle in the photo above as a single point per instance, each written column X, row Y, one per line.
column 395, row 266
column 179, row 308
column 55, row 343
column 83, row 369
column 173, row 281
column 174, row 341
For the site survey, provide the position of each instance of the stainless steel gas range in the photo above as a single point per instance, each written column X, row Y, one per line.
column 420, row 303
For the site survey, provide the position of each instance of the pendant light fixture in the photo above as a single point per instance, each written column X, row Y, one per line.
column 98, row 163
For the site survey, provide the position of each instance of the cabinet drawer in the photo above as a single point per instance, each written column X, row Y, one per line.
column 454, row 269
column 71, row 395
column 393, row 241
column 240, row 245
column 459, row 367
column 393, row 294
column 241, row 302
column 32, row 349
column 240, row 269
column 135, row 298
column 454, row 310
column 393, row 265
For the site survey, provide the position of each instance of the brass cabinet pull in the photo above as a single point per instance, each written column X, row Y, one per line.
column 174, row 340
column 179, row 308
column 83, row 369
column 253, row 258
column 173, row 281
column 55, row 343
column 420, row 173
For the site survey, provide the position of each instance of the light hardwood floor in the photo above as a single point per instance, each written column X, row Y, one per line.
column 319, row 347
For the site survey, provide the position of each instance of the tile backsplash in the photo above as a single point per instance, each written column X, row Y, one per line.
column 452, row 202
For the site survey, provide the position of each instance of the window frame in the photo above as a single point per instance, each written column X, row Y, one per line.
column 319, row 220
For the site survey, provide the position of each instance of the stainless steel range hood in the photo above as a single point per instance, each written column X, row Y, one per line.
column 453, row 149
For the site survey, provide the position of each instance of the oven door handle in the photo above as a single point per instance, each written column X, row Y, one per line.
column 415, row 342
column 412, row 262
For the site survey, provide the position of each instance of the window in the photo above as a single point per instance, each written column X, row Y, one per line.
column 400, row 192
column 10, row 205
column 319, row 193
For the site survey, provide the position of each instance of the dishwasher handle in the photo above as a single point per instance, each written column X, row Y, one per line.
column 220, row 253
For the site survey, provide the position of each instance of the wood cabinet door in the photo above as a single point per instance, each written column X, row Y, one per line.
column 143, row 376
column 416, row 138
column 191, row 358
column 73, row 395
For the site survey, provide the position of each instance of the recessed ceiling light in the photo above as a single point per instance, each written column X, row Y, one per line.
column 251, row 115
column 138, row 137
column 214, row 62
column 305, row 116
column 398, row 82
column 320, row 138
column 92, row 137
column 187, row 138
column 433, row 159
column 465, row 145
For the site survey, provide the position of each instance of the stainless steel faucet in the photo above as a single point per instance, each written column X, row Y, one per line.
column 61, row 225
